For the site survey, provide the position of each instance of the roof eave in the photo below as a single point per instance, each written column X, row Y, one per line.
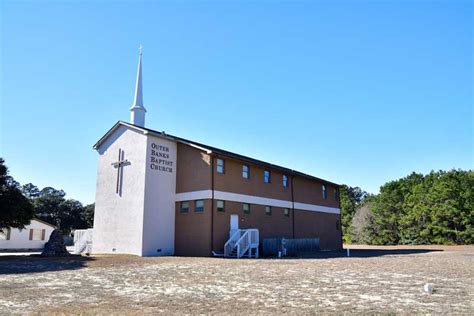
column 43, row 222
column 208, row 150
column 114, row 128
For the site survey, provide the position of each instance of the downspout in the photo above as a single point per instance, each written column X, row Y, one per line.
column 212, row 203
column 340, row 215
column 292, row 208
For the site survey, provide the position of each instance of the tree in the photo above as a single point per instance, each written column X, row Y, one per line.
column 16, row 211
column 71, row 216
column 30, row 190
column 361, row 225
column 414, row 220
column 388, row 208
column 52, row 207
column 437, row 208
column 88, row 215
column 48, row 206
column 451, row 201
column 351, row 199
column 19, row 204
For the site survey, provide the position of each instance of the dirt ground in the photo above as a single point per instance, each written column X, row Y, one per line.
column 373, row 279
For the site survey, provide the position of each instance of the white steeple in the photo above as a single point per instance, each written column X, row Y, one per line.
column 137, row 111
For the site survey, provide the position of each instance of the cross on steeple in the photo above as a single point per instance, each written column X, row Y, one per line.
column 119, row 165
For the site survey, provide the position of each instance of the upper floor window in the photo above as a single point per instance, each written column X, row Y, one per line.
column 266, row 176
column 246, row 208
column 336, row 194
column 220, row 206
column 184, row 207
column 324, row 191
column 286, row 212
column 199, row 206
column 268, row 210
column 220, row 165
column 285, row 181
column 245, row 171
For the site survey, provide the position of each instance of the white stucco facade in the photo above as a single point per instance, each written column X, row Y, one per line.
column 160, row 190
column 139, row 218
column 118, row 218
column 25, row 239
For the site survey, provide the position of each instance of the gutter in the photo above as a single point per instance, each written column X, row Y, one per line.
column 340, row 215
column 292, row 208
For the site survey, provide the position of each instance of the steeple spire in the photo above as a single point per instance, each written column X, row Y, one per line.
column 137, row 111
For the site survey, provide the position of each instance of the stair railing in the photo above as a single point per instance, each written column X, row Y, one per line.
column 82, row 241
column 248, row 241
column 243, row 244
column 230, row 244
column 241, row 241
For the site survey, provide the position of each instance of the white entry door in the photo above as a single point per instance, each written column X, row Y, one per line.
column 234, row 223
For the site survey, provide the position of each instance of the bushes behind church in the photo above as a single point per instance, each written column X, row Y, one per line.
column 50, row 205
column 437, row 208
column 19, row 204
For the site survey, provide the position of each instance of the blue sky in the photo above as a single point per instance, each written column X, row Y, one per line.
column 356, row 92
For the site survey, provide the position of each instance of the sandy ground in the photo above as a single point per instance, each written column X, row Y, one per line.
column 373, row 279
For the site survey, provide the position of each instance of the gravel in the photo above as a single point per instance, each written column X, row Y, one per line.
column 373, row 279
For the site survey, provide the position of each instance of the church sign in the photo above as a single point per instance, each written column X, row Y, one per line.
column 160, row 158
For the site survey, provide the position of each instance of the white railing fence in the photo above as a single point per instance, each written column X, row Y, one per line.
column 242, row 241
column 230, row 244
column 83, row 241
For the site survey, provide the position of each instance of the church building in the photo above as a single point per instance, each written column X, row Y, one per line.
column 159, row 195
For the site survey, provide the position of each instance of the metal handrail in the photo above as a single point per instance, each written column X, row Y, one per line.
column 230, row 244
column 242, row 240
column 250, row 237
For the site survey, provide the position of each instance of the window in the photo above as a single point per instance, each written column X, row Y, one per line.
column 37, row 234
column 245, row 171
column 336, row 194
column 220, row 206
column 286, row 212
column 220, row 166
column 285, row 181
column 5, row 234
column 325, row 191
column 199, row 206
column 246, row 208
column 184, row 207
column 266, row 176
column 338, row 225
column 268, row 210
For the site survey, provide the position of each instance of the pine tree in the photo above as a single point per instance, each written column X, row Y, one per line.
column 16, row 210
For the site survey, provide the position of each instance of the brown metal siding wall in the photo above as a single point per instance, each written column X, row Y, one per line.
column 193, row 231
column 310, row 192
column 232, row 181
column 193, row 169
column 275, row 225
column 324, row 226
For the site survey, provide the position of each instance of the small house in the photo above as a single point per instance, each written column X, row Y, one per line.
column 32, row 237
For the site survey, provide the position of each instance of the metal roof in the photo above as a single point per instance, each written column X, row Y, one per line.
column 210, row 149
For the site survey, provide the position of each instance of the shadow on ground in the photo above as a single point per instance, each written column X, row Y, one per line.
column 35, row 263
column 362, row 253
